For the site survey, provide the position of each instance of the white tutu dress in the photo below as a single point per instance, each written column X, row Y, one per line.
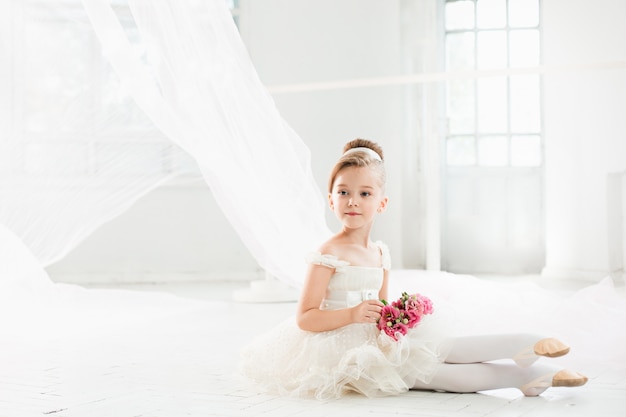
column 354, row 358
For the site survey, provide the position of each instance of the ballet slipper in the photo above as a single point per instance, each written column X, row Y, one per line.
column 563, row 378
column 549, row 347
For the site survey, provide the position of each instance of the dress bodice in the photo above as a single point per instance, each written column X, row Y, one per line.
column 350, row 285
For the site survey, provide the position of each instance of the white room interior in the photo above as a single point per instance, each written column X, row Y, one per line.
column 501, row 234
column 178, row 233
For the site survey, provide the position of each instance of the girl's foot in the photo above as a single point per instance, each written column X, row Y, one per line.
column 563, row 378
column 549, row 347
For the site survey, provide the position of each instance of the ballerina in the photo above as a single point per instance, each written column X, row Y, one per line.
column 333, row 346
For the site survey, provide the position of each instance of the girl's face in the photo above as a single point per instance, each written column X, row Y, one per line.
column 357, row 196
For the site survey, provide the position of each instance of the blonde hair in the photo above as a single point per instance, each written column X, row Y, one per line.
column 360, row 158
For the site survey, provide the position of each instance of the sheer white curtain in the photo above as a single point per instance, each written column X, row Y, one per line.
column 74, row 152
column 180, row 84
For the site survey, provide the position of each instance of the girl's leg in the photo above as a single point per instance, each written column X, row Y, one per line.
column 475, row 377
column 484, row 348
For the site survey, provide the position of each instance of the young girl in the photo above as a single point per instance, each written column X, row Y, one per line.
column 334, row 346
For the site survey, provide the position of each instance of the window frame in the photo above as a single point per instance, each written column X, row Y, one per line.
column 507, row 72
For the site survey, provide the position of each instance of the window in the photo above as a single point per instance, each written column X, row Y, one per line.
column 492, row 217
column 68, row 103
column 494, row 120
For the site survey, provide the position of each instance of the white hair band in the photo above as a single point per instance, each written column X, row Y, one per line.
column 368, row 151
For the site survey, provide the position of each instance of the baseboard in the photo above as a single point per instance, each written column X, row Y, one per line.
column 579, row 274
column 86, row 278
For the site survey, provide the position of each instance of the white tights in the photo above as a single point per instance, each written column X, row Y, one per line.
column 465, row 370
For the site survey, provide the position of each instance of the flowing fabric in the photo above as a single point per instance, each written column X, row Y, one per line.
column 221, row 114
column 196, row 94
column 73, row 155
column 588, row 319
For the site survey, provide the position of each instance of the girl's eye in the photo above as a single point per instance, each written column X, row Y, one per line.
column 365, row 194
column 343, row 193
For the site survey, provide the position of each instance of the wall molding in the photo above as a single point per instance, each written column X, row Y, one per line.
column 134, row 277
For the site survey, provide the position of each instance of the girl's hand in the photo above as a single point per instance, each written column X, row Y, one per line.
column 366, row 312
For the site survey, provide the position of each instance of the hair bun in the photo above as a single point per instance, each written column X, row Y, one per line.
column 364, row 143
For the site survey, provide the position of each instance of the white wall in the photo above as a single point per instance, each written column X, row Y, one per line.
column 303, row 41
column 585, row 131
column 174, row 233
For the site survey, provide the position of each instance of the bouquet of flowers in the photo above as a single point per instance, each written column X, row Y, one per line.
column 403, row 314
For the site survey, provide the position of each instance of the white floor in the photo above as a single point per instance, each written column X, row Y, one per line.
column 183, row 363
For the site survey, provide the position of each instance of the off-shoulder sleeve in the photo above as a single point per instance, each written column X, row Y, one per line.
column 384, row 250
column 330, row 261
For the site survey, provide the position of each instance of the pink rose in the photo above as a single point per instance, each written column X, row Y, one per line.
column 427, row 304
column 389, row 315
column 420, row 303
column 396, row 329
column 413, row 318
column 414, row 304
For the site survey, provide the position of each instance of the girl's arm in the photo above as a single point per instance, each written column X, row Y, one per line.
column 309, row 316
column 384, row 289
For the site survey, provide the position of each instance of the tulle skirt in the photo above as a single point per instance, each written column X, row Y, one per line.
column 355, row 358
